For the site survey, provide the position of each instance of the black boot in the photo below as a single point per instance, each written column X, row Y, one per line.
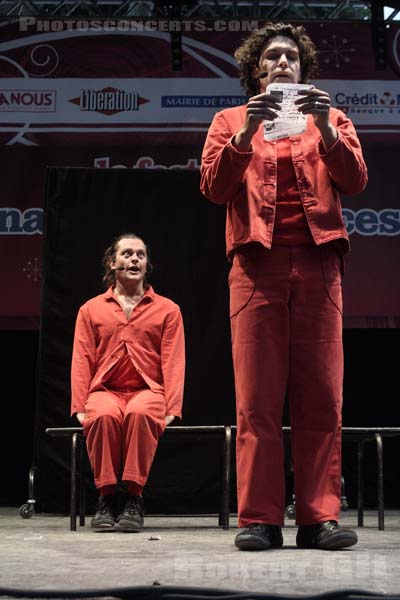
column 325, row 536
column 131, row 518
column 104, row 517
column 259, row 536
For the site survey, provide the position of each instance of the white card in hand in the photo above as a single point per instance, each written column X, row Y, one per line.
column 289, row 121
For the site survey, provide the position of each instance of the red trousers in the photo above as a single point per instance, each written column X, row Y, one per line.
column 286, row 325
column 122, row 430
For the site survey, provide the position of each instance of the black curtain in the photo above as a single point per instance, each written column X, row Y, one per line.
column 84, row 210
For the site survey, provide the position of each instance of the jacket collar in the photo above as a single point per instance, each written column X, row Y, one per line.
column 149, row 294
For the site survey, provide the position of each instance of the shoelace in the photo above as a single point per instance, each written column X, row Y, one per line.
column 103, row 507
column 132, row 507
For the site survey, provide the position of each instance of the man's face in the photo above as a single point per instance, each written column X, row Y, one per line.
column 280, row 61
column 131, row 253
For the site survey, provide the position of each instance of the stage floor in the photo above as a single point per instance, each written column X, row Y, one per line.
column 42, row 553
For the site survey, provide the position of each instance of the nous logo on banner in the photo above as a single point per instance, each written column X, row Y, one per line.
column 28, row 100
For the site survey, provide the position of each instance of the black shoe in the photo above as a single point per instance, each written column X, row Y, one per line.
column 131, row 518
column 259, row 536
column 325, row 536
column 104, row 517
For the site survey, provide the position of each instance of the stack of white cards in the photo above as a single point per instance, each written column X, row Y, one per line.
column 289, row 121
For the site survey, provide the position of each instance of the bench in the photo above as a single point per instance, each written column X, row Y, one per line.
column 360, row 435
column 77, row 487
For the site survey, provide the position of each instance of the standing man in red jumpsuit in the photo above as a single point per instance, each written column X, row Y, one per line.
column 286, row 239
column 127, row 378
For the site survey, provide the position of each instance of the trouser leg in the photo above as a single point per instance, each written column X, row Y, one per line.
column 143, row 425
column 260, row 346
column 315, row 383
column 102, row 428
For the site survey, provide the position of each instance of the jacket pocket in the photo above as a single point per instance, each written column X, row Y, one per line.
column 331, row 265
column 241, row 284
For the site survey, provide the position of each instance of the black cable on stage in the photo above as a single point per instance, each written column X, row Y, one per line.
column 160, row 592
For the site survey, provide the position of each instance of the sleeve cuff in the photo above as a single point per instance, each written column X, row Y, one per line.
column 321, row 149
column 235, row 150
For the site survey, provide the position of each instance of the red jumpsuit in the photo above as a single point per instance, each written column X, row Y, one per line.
column 126, row 375
column 285, row 310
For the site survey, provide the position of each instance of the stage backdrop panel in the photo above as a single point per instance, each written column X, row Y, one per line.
column 75, row 93
column 84, row 210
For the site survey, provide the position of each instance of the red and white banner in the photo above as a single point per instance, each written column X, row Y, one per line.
column 94, row 93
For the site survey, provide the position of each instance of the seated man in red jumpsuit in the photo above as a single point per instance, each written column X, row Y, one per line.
column 127, row 378
column 286, row 238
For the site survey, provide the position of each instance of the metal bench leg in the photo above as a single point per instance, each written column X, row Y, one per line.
column 379, row 456
column 74, row 444
column 360, row 483
column 226, row 483
column 27, row 510
column 82, row 487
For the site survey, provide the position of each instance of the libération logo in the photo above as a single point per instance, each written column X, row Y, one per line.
column 28, row 100
column 108, row 101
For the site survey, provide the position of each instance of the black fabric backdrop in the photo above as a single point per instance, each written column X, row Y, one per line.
column 84, row 210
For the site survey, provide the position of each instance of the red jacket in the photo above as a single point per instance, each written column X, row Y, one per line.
column 246, row 181
column 153, row 336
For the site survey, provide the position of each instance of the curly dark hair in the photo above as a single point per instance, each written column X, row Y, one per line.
column 248, row 54
column 109, row 256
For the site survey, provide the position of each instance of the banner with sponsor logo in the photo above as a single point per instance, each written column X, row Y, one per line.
column 106, row 93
